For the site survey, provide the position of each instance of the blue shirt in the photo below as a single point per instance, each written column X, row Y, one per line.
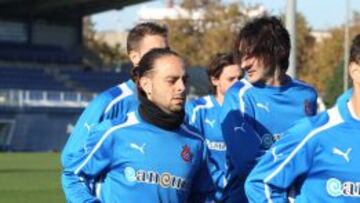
column 323, row 151
column 204, row 115
column 115, row 102
column 253, row 117
column 138, row 162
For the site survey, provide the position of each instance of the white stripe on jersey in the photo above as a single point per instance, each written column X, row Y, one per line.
column 131, row 120
column 208, row 104
column 186, row 129
column 125, row 91
column 334, row 119
column 247, row 85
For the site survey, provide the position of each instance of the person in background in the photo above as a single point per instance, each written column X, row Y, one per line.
column 116, row 101
column 203, row 114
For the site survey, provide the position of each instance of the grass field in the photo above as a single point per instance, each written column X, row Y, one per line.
column 30, row 177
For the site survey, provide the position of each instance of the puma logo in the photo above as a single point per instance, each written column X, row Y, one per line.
column 88, row 126
column 242, row 127
column 210, row 122
column 276, row 156
column 345, row 155
column 137, row 147
column 263, row 106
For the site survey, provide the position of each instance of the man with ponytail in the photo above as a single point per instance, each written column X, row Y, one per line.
column 152, row 156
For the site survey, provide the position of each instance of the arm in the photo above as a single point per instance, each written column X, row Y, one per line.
column 289, row 158
column 90, row 117
column 87, row 165
column 202, row 188
column 242, row 141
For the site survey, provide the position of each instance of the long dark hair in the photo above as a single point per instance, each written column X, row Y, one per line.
column 355, row 50
column 266, row 38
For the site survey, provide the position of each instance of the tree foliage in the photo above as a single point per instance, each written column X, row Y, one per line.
column 325, row 60
column 98, row 50
column 198, row 40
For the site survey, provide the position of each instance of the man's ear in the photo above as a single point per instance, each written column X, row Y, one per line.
column 146, row 85
column 134, row 57
column 354, row 71
column 214, row 81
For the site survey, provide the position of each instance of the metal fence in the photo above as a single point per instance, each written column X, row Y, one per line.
column 40, row 98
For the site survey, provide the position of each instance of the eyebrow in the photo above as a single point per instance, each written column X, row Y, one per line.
column 173, row 76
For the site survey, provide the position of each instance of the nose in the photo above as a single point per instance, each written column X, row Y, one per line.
column 181, row 86
column 246, row 63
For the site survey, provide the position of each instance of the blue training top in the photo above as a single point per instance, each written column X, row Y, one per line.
column 322, row 151
column 138, row 162
column 113, row 103
column 253, row 117
column 204, row 115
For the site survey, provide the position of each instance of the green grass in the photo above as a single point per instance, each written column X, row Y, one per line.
column 30, row 177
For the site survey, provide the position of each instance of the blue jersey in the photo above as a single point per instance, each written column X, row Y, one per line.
column 115, row 102
column 322, row 151
column 204, row 115
column 253, row 117
column 138, row 162
column 346, row 96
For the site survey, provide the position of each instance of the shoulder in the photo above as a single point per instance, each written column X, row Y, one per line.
column 108, row 127
column 240, row 86
column 119, row 93
column 238, row 90
column 190, row 131
column 195, row 107
column 202, row 101
column 310, row 127
column 304, row 86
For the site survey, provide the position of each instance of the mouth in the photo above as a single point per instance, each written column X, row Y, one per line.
column 179, row 99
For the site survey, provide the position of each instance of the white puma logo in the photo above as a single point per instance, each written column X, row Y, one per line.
column 210, row 122
column 242, row 127
column 137, row 147
column 86, row 148
column 263, row 106
column 276, row 156
column 345, row 155
column 88, row 127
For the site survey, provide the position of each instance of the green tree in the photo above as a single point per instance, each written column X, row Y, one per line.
column 325, row 65
column 98, row 50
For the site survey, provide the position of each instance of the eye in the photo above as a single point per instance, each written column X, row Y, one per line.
column 185, row 79
column 171, row 80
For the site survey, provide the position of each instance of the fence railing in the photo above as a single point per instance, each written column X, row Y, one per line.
column 40, row 98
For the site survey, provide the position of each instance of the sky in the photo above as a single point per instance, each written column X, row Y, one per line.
column 320, row 14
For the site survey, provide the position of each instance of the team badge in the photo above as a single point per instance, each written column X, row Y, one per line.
column 308, row 109
column 267, row 140
column 186, row 154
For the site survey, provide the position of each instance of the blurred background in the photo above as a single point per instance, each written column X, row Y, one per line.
column 55, row 56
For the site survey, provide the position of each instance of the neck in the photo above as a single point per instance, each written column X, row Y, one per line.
column 219, row 98
column 277, row 79
column 355, row 102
